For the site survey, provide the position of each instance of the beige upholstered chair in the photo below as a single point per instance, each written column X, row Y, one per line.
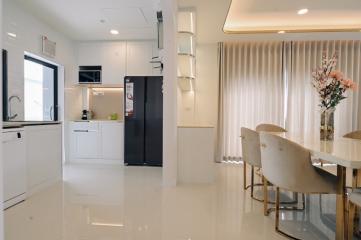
column 288, row 166
column 354, row 200
column 265, row 127
column 251, row 154
column 354, row 135
column 251, row 151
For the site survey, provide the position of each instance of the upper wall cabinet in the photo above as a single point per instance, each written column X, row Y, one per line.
column 139, row 57
column 120, row 59
column 110, row 55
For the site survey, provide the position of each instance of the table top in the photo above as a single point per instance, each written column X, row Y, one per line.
column 341, row 151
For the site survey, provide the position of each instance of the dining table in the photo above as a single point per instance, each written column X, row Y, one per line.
column 344, row 153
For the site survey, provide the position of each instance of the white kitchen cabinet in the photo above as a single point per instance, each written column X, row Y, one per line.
column 14, row 163
column 112, row 140
column 139, row 55
column 97, row 142
column 110, row 55
column 44, row 156
column 85, row 142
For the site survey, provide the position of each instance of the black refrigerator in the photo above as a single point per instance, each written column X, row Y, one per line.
column 143, row 127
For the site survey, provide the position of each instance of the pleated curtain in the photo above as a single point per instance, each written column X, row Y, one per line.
column 303, row 114
column 251, row 91
column 270, row 82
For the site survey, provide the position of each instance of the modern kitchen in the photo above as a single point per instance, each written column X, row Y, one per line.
column 87, row 91
column 111, row 79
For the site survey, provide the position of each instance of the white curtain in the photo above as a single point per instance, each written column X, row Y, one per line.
column 303, row 116
column 252, row 91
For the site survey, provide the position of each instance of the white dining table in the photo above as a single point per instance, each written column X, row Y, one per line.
column 345, row 153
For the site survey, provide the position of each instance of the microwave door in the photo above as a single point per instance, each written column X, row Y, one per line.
column 89, row 77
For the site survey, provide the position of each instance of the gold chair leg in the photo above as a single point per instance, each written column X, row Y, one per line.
column 244, row 175
column 265, row 196
column 252, row 181
column 351, row 215
column 277, row 218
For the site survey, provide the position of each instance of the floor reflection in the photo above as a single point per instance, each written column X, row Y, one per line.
column 111, row 202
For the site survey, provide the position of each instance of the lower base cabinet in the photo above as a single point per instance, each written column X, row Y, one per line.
column 44, row 156
column 97, row 142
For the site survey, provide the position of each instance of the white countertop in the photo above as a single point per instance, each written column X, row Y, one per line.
column 17, row 124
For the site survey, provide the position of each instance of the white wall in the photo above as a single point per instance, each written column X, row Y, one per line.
column 1, row 162
column 170, row 120
column 29, row 31
column 201, row 106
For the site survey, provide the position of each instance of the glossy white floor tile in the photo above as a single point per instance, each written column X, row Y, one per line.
column 116, row 203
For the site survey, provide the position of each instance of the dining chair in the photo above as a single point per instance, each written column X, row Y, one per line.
column 355, row 197
column 251, row 155
column 353, row 201
column 266, row 127
column 288, row 166
column 353, row 135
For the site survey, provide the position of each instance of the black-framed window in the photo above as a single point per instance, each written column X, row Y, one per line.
column 40, row 90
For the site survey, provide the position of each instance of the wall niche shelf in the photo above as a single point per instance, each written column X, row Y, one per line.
column 186, row 50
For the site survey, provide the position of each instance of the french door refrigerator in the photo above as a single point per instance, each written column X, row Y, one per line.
column 143, row 114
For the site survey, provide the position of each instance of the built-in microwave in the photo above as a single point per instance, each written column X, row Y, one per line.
column 90, row 74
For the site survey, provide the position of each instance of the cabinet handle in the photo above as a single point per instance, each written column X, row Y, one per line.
column 81, row 131
column 85, row 130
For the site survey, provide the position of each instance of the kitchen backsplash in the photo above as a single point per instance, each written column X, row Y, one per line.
column 106, row 101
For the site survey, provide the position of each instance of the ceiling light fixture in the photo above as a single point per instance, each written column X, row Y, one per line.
column 281, row 32
column 302, row 11
column 114, row 32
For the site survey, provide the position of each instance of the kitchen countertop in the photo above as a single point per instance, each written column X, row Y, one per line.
column 19, row 124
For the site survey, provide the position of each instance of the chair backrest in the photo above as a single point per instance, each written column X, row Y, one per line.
column 251, row 152
column 288, row 165
column 354, row 135
column 265, row 127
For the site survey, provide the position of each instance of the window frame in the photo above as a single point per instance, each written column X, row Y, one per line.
column 55, row 68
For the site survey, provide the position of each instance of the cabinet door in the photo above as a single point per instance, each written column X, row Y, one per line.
column 44, row 154
column 113, row 63
column 113, row 141
column 110, row 55
column 139, row 55
column 87, row 144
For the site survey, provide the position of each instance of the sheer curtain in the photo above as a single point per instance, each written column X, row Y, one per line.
column 252, row 91
column 303, row 114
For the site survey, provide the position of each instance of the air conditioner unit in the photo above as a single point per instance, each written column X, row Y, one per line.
column 49, row 47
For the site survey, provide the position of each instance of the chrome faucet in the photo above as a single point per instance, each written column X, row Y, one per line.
column 11, row 116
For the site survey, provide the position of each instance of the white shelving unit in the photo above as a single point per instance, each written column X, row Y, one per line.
column 186, row 50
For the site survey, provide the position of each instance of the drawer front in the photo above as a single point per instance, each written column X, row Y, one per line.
column 85, row 126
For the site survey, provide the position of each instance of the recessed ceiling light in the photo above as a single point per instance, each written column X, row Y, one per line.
column 11, row 34
column 302, row 11
column 114, row 32
column 281, row 32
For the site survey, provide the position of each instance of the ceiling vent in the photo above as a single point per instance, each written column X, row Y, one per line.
column 49, row 47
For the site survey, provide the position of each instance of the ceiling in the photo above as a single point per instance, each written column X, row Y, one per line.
column 246, row 16
column 87, row 20
column 211, row 16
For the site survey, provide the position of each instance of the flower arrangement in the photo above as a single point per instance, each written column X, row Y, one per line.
column 331, row 84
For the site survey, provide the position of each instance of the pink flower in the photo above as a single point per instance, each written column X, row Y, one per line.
column 337, row 74
column 348, row 83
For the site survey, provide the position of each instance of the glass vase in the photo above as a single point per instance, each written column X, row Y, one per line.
column 327, row 129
